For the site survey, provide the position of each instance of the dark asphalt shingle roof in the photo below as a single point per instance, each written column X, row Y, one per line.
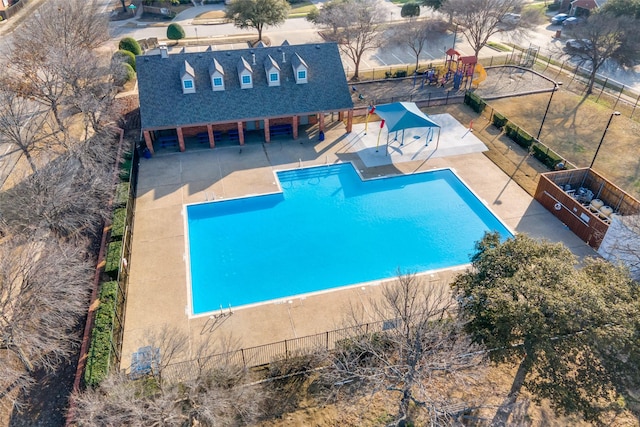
column 163, row 105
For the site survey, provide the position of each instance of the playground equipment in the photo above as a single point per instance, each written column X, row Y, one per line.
column 479, row 74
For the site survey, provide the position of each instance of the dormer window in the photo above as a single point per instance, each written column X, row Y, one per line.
column 272, row 70
column 187, row 76
column 244, row 73
column 300, row 69
column 216, row 74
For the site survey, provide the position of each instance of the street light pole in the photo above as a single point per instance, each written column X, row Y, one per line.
column 455, row 34
column 555, row 87
column 615, row 113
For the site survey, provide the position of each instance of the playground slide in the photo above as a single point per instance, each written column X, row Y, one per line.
column 481, row 75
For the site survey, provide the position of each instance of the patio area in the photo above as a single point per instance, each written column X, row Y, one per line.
column 158, row 286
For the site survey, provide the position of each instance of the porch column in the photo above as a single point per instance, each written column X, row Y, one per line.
column 212, row 142
column 240, row 133
column 267, row 132
column 321, row 122
column 349, row 120
column 147, row 140
column 340, row 116
column 294, row 124
column 180, row 138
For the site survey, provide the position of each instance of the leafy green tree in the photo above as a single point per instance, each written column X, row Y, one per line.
column 433, row 4
column 572, row 332
column 622, row 8
column 175, row 32
column 130, row 44
column 257, row 13
column 410, row 10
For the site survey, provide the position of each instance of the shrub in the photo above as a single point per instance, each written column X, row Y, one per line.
column 123, row 74
column 519, row 136
column 112, row 261
column 131, row 45
column 400, row 73
column 122, row 194
column 117, row 226
column 475, row 102
column 387, row 74
column 98, row 359
column 546, row 156
column 175, row 32
column 125, row 170
column 410, row 9
column 124, row 57
column 499, row 120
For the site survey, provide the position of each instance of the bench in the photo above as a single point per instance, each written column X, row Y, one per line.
column 234, row 135
column 203, row 137
column 167, row 141
column 284, row 129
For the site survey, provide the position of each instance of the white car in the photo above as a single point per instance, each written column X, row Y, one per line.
column 510, row 19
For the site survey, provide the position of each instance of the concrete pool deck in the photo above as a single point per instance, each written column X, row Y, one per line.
column 157, row 293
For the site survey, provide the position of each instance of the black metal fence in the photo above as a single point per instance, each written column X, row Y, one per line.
column 261, row 355
column 125, row 257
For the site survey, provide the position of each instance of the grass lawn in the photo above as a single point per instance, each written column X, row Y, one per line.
column 573, row 128
column 301, row 9
column 298, row 10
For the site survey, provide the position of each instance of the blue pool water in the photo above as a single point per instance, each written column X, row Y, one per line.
column 329, row 229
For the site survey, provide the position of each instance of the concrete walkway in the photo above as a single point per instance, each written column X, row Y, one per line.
column 158, row 289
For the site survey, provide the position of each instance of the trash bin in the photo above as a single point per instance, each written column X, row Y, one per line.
column 321, row 136
column 146, row 153
column 558, row 33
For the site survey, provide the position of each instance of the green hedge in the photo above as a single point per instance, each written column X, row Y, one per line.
column 475, row 102
column 547, row 156
column 112, row 262
column 499, row 120
column 125, row 170
column 98, row 361
column 122, row 194
column 131, row 45
column 117, row 226
column 518, row 135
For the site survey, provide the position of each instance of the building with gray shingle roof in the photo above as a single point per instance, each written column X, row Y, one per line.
column 216, row 91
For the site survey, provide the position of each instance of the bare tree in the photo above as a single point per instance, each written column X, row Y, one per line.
column 43, row 294
column 416, row 34
column 215, row 392
column 605, row 37
column 43, row 60
column 420, row 354
column 356, row 27
column 22, row 125
column 67, row 197
column 478, row 20
column 622, row 243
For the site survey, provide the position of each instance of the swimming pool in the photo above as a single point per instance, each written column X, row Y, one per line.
column 329, row 229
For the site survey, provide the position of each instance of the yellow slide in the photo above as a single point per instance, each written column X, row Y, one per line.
column 480, row 75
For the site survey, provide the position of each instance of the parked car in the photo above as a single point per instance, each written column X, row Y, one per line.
column 571, row 21
column 578, row 44
column 510, row 19
column 559, row 18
